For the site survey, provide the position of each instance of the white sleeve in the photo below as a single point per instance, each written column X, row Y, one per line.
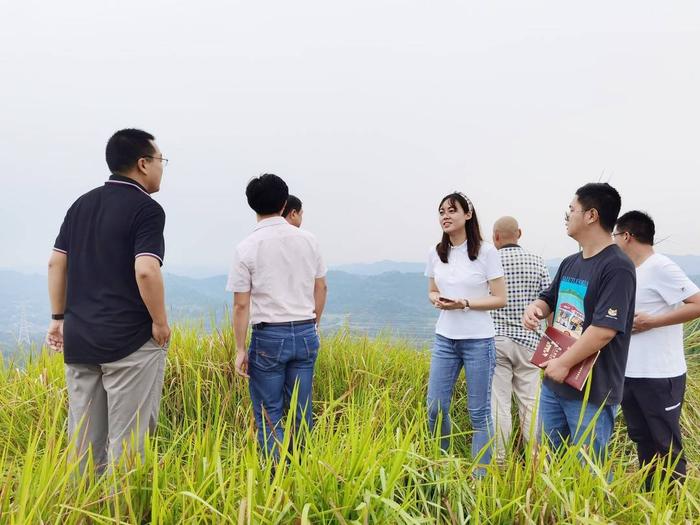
column 430, row 264
column 673, row 284
column 492, row 261
column 321, row 269
column 239, row 277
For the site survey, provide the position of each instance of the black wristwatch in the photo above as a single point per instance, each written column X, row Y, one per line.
column 57, row 317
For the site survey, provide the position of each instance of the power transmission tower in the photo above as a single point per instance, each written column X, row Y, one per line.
column 24, row 331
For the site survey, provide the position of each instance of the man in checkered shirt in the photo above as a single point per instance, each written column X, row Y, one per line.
column 526, row 277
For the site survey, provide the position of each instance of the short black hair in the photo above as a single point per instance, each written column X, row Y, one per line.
column 604, row 198
column 638, row 224
column 293, row 204
column 126, row 147
column 267, row 194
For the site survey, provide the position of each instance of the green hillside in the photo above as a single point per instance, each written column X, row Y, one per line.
column 392, row 302
column 368, row 460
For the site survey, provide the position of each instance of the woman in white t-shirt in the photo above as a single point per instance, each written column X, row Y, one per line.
column 466, row 281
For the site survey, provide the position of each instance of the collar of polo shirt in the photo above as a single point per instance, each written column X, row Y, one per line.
column 120, row 179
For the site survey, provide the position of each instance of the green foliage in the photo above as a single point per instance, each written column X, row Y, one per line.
column 369, row 459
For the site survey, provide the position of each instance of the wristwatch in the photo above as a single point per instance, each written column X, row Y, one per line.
column 466, row 308
column 57, row 317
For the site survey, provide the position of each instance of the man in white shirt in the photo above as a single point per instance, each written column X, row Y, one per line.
column 278, row 280
column 656, row 370
column 293, row 212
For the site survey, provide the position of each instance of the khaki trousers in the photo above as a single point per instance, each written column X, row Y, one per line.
column 112, row 406
column 514, row 374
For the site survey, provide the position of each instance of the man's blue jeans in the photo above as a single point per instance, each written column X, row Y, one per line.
column 281, row 358
column 560, row 421
column 478, row 358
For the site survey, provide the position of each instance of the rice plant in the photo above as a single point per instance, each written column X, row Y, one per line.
column 368, row 459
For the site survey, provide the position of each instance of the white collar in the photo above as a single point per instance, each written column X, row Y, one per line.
column 270, row 221
column 461, row 247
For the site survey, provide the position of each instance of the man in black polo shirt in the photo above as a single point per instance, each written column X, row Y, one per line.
column 107, row 299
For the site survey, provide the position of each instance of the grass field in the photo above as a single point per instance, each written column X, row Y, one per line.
column 369, row 459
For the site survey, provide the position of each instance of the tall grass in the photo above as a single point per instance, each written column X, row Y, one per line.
column 369, row 459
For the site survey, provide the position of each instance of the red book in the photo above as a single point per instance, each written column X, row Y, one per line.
column 553, row 344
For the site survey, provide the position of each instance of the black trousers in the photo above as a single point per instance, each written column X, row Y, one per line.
column 652, row 410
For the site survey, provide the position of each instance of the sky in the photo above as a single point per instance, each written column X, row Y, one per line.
column 370, row 110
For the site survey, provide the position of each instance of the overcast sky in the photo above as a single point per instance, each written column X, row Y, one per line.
column 370, row 110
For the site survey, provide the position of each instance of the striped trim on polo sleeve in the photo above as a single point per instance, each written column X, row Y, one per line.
column 59, row 250
column 148, row 254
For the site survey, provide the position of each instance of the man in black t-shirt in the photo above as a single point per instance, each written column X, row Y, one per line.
column 107, row 299
column 592, row 299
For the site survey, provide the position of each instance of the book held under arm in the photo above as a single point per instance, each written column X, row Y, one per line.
column 553, row 344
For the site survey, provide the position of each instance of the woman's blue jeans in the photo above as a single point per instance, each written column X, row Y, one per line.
column 478, row 358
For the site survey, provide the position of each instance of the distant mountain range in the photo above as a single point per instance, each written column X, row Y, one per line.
column 379, row 267
column 392, row 302
column 384, row 296
column 689, row 263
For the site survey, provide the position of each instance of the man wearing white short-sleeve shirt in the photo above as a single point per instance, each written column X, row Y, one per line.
column 655, row 376
column 278, row 280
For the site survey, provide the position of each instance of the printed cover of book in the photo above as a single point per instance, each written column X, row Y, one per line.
column 566, row 328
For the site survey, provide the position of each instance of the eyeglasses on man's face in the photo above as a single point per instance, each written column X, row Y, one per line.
column 567, row 213
column 615, row 234
column 161, row 158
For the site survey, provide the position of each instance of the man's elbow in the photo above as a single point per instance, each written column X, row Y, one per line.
column 145, row 274
column 241, row 313
column 146, row 269
column 57, row 262
column 606, row 335
column 240, row 308
column 321, row 289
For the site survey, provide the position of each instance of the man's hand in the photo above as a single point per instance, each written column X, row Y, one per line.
column 317, row 326
column 242, row 363
column 532, row 316
column 434, row 297
column 54, row 336
column 161, row 334
column 150, row 282
column 556, row 370
column 642, row 322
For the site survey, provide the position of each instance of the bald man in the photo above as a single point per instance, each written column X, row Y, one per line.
column 526, row 277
